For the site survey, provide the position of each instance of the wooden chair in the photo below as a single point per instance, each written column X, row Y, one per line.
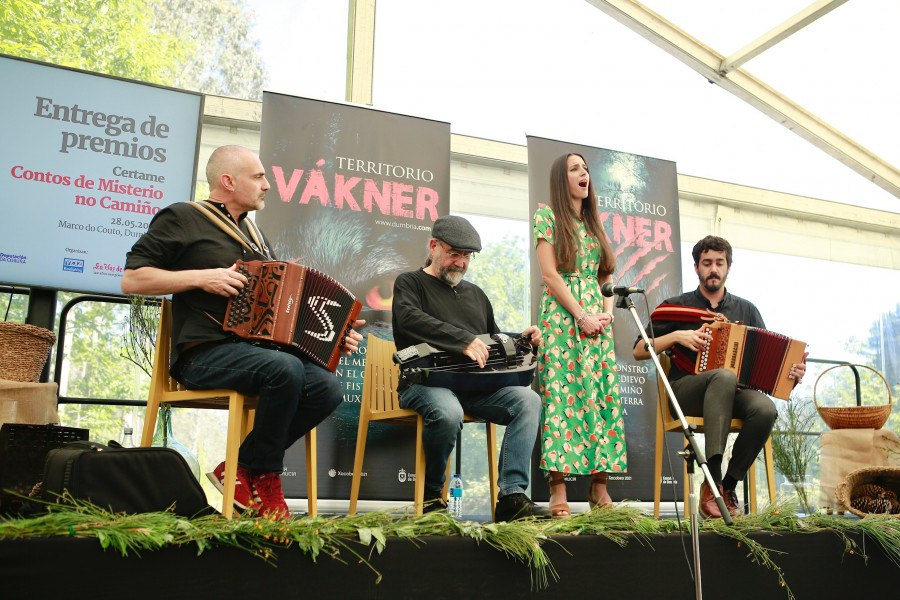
column 380, row 402
column 666, row 423
column 164, row 389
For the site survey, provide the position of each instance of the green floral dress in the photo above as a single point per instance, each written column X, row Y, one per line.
column 583, row 431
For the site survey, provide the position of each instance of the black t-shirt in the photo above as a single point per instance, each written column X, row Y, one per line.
column 425, row 309
column 181, row 238
column 735, row 308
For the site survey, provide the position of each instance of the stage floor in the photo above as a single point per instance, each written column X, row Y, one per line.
column 815, row 565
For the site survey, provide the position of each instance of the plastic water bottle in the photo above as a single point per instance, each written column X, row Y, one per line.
column 128, row 438
column 454, row 503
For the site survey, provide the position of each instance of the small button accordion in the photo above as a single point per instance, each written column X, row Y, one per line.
column 293, row 308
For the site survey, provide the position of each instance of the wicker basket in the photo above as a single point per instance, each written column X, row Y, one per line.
column 23, row 351
column 855, row 417
column 887, row 478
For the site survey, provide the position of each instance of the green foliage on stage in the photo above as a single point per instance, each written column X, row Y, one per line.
column 351, row 539
column 199, row 45
column 794, row 450
column 140, row 332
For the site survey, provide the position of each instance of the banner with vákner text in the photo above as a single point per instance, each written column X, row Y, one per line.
column 637, row 198
column 86, row 162
column 355, row 192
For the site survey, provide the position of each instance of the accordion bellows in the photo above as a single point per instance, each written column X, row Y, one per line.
column 761, row 359
column 294, row 308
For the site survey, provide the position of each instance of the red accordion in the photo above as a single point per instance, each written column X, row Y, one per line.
column 761, row 359
column 293, row 307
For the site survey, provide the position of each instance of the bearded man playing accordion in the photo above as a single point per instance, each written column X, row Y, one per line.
column 715, row 394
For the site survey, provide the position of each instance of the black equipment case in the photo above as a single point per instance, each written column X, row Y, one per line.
column 131, row 480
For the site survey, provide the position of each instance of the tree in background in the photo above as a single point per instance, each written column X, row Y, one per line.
column 93, row 368
column 14, row 307
column 883, row 346
column 501, row 270
column 881, row 351
column 191, row 44
column 226, row 60
column 115, row 38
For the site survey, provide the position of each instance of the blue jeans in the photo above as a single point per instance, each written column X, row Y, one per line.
column 517, row 407
column 294, row 394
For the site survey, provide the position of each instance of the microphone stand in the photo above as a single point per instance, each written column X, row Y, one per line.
column 692, row 452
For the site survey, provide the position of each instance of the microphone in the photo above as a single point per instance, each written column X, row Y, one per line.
column 609, row 290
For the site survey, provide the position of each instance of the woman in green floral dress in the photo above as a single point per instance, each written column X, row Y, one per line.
column 583, row 431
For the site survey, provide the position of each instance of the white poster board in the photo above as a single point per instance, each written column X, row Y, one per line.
column 87, row 160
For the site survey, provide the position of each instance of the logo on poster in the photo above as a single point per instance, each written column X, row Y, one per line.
column 75, row 265
column 403, row 476
column 13, row 258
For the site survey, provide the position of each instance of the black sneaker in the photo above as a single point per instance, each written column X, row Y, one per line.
column 433, row 502
column 519, row 506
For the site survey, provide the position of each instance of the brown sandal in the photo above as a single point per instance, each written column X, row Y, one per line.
column 560, row 509
column 599, row 503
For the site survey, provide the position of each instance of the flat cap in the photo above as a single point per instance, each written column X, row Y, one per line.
column 457, row 233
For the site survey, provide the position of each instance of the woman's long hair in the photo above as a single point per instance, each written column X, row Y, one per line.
column 565, row 220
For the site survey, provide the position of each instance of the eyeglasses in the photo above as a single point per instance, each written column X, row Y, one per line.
column 456, row 254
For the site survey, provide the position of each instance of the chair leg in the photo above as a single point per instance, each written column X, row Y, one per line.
column 657, row 469
column 232, row 446
column 361, row 435
column 447, row 476
column 312, row 491
column 149, row 422
column 751, row 486
column 491, row 432
column 770, row 470
column 249, row 417
column 419, row 494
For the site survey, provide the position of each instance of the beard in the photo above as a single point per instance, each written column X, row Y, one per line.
column 713, row 284
column 451, row 275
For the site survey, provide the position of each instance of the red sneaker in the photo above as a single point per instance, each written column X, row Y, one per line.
column 244, row 496
column 271, row 496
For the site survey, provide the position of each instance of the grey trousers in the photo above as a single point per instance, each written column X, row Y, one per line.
column 714, row 396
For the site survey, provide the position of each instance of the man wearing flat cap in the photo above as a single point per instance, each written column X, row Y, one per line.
column 436, row 306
